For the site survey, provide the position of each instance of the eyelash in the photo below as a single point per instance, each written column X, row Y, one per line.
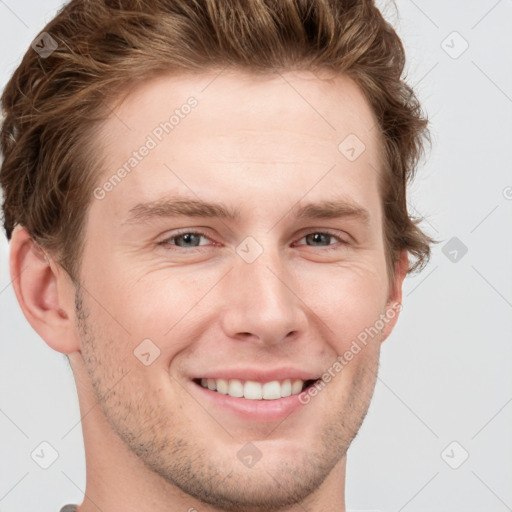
column 166, row 242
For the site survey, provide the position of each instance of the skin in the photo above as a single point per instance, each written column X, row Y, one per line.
column 262, row 145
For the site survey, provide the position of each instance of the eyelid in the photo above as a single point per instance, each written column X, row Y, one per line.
column 335, row 234
column 184, row 231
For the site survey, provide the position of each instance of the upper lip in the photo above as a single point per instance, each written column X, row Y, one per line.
column 259, row 374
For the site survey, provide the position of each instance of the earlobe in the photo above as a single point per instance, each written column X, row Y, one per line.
column 44, row 292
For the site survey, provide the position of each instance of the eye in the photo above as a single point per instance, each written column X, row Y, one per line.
column 322, row 238
column 185, row 239
column 192, row 239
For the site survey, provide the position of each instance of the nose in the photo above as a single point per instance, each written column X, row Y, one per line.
column 261, row 304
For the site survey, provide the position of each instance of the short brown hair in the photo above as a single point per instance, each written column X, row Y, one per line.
column 52, row 105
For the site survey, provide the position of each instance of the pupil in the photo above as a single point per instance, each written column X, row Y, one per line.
column 188, row 238
column 317, row 237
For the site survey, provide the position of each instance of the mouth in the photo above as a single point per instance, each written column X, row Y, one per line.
column 253, row 390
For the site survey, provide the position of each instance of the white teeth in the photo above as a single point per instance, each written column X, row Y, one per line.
column 222, row 386
column 271, row 390
column 236, row 388
column 297, row 386
column 286, row 388
column 252, row 390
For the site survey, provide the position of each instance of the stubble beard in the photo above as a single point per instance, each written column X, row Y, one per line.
column 147, row 431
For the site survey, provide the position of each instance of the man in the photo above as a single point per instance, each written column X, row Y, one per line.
column 206, row 207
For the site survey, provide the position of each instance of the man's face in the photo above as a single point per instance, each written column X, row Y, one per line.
column 266, row 296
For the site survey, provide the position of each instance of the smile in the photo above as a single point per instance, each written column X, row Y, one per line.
column 252, row 390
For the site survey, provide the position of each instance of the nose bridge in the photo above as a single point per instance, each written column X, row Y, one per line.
column 261, row 300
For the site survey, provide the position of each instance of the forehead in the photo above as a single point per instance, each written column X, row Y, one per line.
column 274, row 136
column 237, row 102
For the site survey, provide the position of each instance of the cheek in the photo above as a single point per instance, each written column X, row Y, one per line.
column 348, row 299
column 123, row 363
column 159, row 310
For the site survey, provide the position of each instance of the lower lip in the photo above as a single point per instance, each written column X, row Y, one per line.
column 252, row 410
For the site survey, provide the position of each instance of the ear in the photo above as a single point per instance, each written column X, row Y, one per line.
column 394, row 304
column 44, row 291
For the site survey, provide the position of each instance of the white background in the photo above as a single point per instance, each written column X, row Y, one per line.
column 446, row 370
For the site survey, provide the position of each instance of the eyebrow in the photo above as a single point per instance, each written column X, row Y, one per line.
column 162, row 208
